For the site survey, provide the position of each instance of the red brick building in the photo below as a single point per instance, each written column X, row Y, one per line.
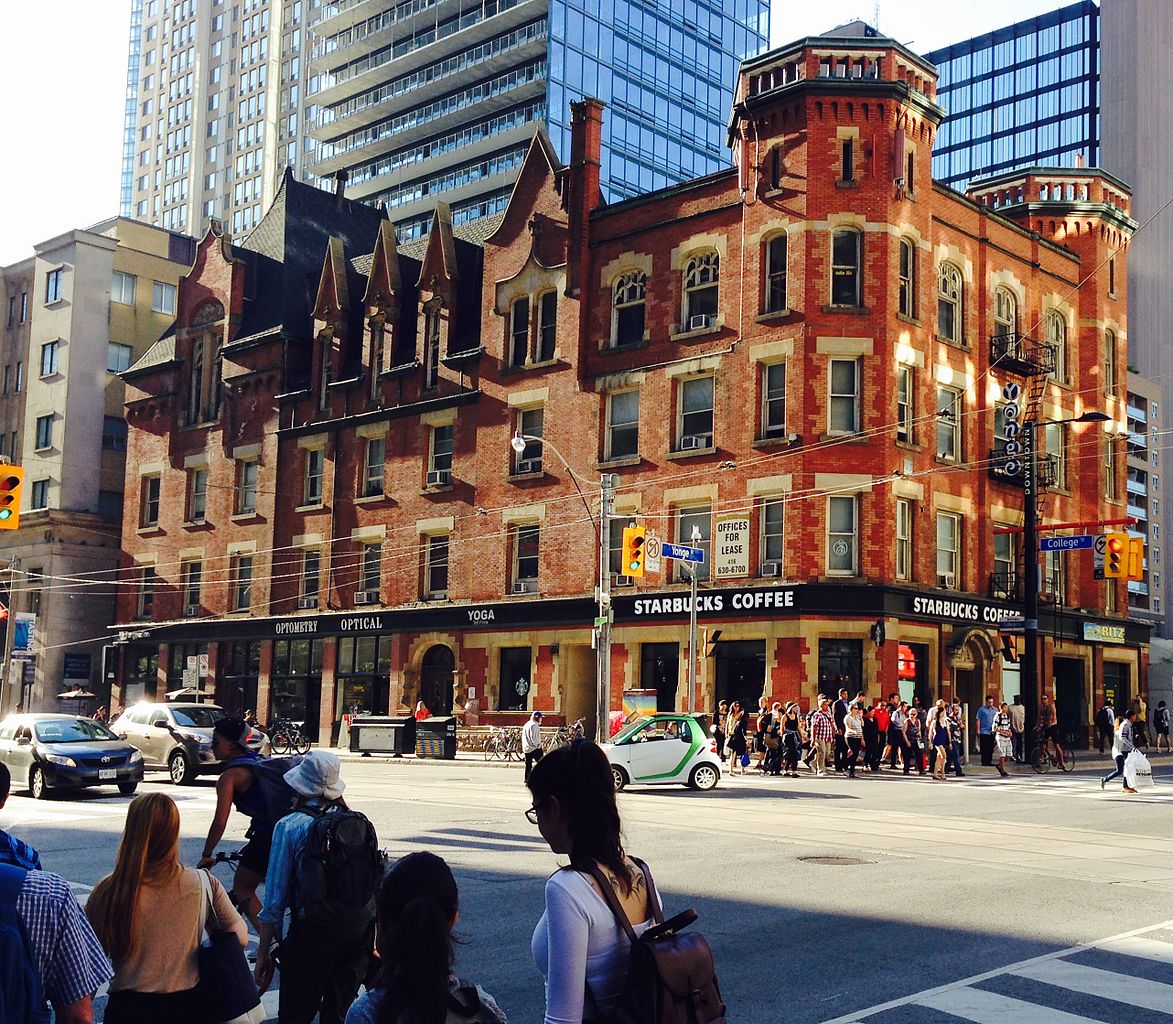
column 803, row 358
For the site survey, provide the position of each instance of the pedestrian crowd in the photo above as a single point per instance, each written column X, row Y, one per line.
column 847, row 735
column 334, row 918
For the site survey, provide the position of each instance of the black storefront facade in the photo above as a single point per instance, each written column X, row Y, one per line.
column 497, row 661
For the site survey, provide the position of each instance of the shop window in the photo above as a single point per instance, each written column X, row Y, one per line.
column 659, row 670
column 140, row 666
column 622, row 424
column 629, row 305
column 842, row 534
column 363, row 675
column 516, row 678
column 240, row 670
column 840, row 666
column 295, row 686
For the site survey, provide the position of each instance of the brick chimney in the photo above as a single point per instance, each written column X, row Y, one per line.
column 582, row 193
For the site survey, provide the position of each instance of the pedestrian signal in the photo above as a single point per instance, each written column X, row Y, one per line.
column 11, row 486
column 1116, row 556
column 634, row 538
column 1135, row 558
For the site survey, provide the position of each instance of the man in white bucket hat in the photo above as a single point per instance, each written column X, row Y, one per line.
column 324, row 868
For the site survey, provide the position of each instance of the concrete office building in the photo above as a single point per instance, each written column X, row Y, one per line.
column 215, row 106
column 1144, row 494
column 430, row 100
column 1024, row 95
column 79, row 312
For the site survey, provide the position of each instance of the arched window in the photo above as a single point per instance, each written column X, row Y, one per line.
column 628, row 299
column 519, row 332
column 949, row 307
column 846, row 283
column 1005, row 313
column 907, row 278
column 195, row 406
column 1057, row 339
column 702, row 273
column 776, row 274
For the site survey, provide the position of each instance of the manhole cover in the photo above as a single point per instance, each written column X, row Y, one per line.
column 843, row 861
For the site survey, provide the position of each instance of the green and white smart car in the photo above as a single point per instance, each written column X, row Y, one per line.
column 664, row 749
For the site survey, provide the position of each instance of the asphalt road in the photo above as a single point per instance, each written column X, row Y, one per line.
column 964, row 900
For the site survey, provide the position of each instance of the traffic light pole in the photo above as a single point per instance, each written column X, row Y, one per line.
column 692, row 652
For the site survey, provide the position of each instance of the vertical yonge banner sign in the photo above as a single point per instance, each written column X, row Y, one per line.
column 1012, row 447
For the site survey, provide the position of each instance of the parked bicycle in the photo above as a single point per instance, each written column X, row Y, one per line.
column 563, row 736
column 504, row 744
column 286, row 737
column 1043, row 758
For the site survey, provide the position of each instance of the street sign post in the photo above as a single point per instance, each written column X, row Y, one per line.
column 682, row 553
column 1086, row 541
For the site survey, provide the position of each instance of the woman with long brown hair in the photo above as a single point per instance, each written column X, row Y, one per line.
column 149, row 914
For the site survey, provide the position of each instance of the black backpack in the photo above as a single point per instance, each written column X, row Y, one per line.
column 21, row 999
column 671, row 978
column 1102, row 719
column 337, row 872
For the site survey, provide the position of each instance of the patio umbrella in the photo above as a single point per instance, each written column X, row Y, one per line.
column 81, row 694
column 187, row 693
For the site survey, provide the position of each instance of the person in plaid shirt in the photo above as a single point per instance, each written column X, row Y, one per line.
column 822, row 734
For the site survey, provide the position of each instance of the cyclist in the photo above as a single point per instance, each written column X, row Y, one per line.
column 1049, row 729
column 256, row 787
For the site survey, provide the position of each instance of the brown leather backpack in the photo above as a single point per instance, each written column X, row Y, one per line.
column 671, row 978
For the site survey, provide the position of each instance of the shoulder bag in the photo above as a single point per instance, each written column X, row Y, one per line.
column 226, row 985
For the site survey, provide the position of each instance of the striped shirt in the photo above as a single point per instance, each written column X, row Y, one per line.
column 17, row 853
column 69, row 957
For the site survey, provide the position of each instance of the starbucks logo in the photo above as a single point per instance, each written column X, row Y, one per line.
column 521, row 687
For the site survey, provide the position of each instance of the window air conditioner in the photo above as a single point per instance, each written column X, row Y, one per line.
column 525, row 466
column 307, row 602
column 366, row 597
column 698, row 322
column 948, row 580
column 771, row 569
column 696, row 442
column 624, row 581
column 190, row 610
column 439, row 477
column 525, row 587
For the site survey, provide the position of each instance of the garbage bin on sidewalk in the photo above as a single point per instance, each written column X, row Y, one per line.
column 382, row 734
column 436, row 738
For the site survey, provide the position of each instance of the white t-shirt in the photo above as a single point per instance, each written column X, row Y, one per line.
column 576, row 938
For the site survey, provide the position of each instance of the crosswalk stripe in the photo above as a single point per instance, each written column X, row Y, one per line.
column 1148, row 949
column 982, row 1007
column 1093, row 981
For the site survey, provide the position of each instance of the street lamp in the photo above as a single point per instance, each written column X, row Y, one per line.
column 603, row 591
column 1030, row 574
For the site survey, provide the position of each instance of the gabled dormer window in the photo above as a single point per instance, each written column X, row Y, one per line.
column 519, row 331
column 432, row 345
column 376, row 363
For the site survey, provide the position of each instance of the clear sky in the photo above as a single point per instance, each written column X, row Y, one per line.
column 63, row 79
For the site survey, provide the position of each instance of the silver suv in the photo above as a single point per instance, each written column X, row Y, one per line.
column 177, row 737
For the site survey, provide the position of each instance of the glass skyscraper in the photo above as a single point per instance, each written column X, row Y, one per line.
column 1027, row 94
column 428, row 100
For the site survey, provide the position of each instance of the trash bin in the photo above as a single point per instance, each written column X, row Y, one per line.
column 382, row 734
column 436, row 738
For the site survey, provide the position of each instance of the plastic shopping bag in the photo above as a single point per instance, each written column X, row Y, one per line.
column 1138, row 773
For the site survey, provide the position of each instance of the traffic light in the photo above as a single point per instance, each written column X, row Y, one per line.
column 11, row 486
column 633, row 550
column 1135, row 558
column 1116, row 557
